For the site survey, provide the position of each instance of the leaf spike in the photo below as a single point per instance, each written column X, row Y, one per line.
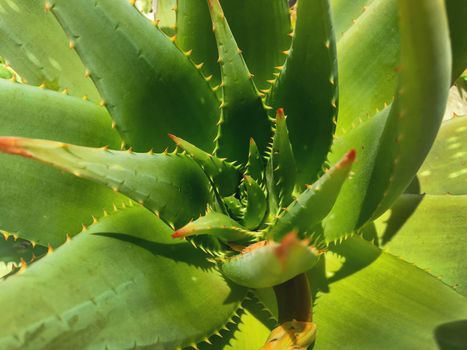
column 50, row 249
column 173, row 38
column 24, row 265
column 68, row 237
column 188, row 53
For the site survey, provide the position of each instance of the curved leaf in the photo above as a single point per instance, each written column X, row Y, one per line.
column 368, row 56
column 423, row 229
column 37, row 48
column 150, row 291
column 171, row 185
column 457, row 12
column 141, row 75
column 16, row 249
column 281, row 169
column 444, row 171
column 256, row 204
column 307, row 88
column 389, row 304
column 346, row 13
column 394, row 143
column 165, row 14
column 267, row 263
column 313, row 204
column 24, row 185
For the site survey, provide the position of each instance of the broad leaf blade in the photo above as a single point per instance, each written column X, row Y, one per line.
column 141, row 75
column 397, row 294
column 37, row 48
column 457, row 12
column 307, row 88
column 267, row 263
column 70, row 202
column 150, row 291
column 424, row 230
column 368, row 55
column 444, row 170
column 171, row 185
column 346, row 13
column 394, row 143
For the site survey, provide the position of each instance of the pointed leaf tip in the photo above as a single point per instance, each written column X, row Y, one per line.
column 280, row 113
column 11, row 145
column 349, row 158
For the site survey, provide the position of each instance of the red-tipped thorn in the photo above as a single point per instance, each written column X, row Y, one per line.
column 175, row 139
column 280, row 113
column 181, row 233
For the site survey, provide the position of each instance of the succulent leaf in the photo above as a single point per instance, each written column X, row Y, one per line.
column 172, row 186
column 394, row 143
column 256, row 204
column 365, row 88
column 149, row 291
column 218, row 225
column 268, row 263
column 281, row 168
column 144, row 100
column 345, row 14
column 195, row 37
column 457, row 12
column 313, row 204
column 444, row 170
column 254, row 166
column 70, row 202
column 242, row 113
column 391, row 291
column 17, row 250
column 35, row 46
column 307, row 88
column 262, row 31
column 417, row 225
column 225, row 175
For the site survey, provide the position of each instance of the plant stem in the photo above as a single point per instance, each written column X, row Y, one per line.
column 294, row 300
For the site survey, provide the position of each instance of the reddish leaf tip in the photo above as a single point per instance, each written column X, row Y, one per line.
column 280, row 113
column 11, row 145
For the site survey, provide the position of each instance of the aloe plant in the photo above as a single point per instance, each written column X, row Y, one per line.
column 231, row 175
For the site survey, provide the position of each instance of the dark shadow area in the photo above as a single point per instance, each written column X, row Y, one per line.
column 358, row 254
column 401, row 211
column 452, row 335
column 182, row 252
column 414, row 187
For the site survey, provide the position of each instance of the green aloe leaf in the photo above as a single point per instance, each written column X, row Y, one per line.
column 140, row 73
column 242, row 113
column 457, row 12
column 151, row 291
column 421, row 229
column 313, row 204
column 399, row 305
column 444, row 171
column 394, row 143
column 171, row 185
column 261, row 29
column 254, row 166
column 216, row 224
column 268, row 263
column 281, row 169
column 307, row 88
column 225, row 175
column 32, row 112
column 346, row 13
column 5, row 72
column 196, row 38
column 34, row 44
column 368, row 54
column 15, row 250
column 256, row 204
